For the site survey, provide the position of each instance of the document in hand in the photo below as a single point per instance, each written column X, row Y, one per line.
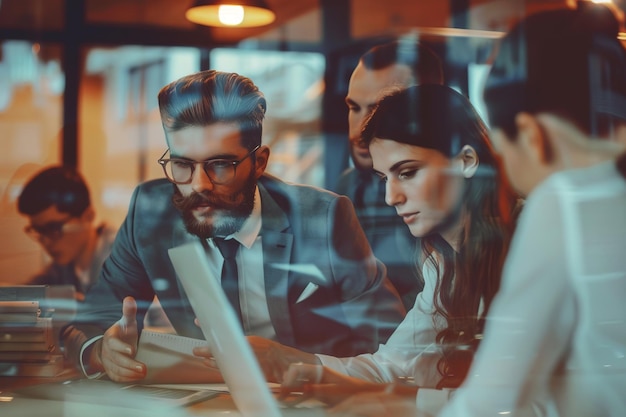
column 169, row 359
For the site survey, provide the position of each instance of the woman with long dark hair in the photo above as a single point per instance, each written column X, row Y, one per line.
column 431, row 147
column 429, row 143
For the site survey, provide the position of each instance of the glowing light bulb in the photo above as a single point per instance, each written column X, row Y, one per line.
column 230, row 15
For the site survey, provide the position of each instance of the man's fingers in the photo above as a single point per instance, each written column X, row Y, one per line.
column 119, row 346
column 299, row 374
column 123, row 369
column 116, row 345
column 117, row 359
column 299, row 377
column 202, row 351
column 124, row 364
column 129, row 312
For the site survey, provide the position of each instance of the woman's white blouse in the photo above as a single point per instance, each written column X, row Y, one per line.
column 555, row 340
column 410, row 352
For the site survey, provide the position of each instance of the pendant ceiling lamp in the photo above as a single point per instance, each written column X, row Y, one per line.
column 230, row 13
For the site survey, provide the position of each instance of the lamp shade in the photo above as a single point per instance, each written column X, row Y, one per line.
column 230, row 13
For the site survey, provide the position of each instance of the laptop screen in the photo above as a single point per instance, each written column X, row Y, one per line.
column 222, row 330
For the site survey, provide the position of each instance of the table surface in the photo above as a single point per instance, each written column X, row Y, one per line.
column 35, row 396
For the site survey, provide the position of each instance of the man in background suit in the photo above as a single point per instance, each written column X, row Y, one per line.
column 57, row 203
column 394, row 65
column 306, row 274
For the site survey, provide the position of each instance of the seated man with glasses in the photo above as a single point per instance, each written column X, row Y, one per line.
column 304, row 273
column 57, row 204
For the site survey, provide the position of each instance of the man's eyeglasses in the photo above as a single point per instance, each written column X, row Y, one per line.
column 50, row 230
column 219, row 171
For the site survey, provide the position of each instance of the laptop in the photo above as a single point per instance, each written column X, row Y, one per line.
column 221, row 328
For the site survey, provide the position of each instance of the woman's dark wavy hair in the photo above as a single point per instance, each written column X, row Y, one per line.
column 439, row 118
column 208, row 97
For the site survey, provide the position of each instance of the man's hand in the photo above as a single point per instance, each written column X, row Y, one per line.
column 116, row 350
column 275, row 358
column 204, row 352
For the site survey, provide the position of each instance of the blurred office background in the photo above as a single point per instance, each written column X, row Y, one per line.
column 79, row 81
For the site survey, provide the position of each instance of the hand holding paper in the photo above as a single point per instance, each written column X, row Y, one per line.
column 115, row 352
column 276, row 358
column 170, row 359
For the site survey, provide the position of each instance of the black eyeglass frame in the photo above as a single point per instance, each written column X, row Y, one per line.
column 54, row 230
column 164, row 161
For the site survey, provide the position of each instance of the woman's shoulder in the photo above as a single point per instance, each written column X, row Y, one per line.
column 582, row 180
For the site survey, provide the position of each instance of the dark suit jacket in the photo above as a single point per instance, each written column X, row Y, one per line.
column 386, row 233
column 308, row 235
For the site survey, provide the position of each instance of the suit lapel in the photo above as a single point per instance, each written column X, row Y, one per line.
column 277, row 249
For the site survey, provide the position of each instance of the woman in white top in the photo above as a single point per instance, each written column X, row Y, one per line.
column 431, row 147
column 555, row 340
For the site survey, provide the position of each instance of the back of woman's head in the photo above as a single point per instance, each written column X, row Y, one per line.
column 565, row 62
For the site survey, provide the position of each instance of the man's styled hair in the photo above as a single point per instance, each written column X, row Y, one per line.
column 208, row 97
column 424, row 63
column 56, row 186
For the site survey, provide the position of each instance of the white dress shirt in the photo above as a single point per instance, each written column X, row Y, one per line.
column 555, row 340
column 254, row 310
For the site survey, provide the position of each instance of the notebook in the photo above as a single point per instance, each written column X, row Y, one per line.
column 222, row 330
column 169, row 359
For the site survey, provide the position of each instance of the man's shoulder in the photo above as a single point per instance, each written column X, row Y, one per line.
column 157, row 185
column 152, row 201
column 276, row 186
column 154, row 192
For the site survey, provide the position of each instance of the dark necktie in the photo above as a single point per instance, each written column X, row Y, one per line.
column 230, row 276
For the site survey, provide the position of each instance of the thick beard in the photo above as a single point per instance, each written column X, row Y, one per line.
column 238, row 208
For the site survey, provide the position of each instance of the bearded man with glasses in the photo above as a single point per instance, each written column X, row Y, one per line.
column 62, row 220
column 305, row 273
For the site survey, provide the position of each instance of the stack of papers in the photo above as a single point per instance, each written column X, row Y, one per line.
column 27, row 343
